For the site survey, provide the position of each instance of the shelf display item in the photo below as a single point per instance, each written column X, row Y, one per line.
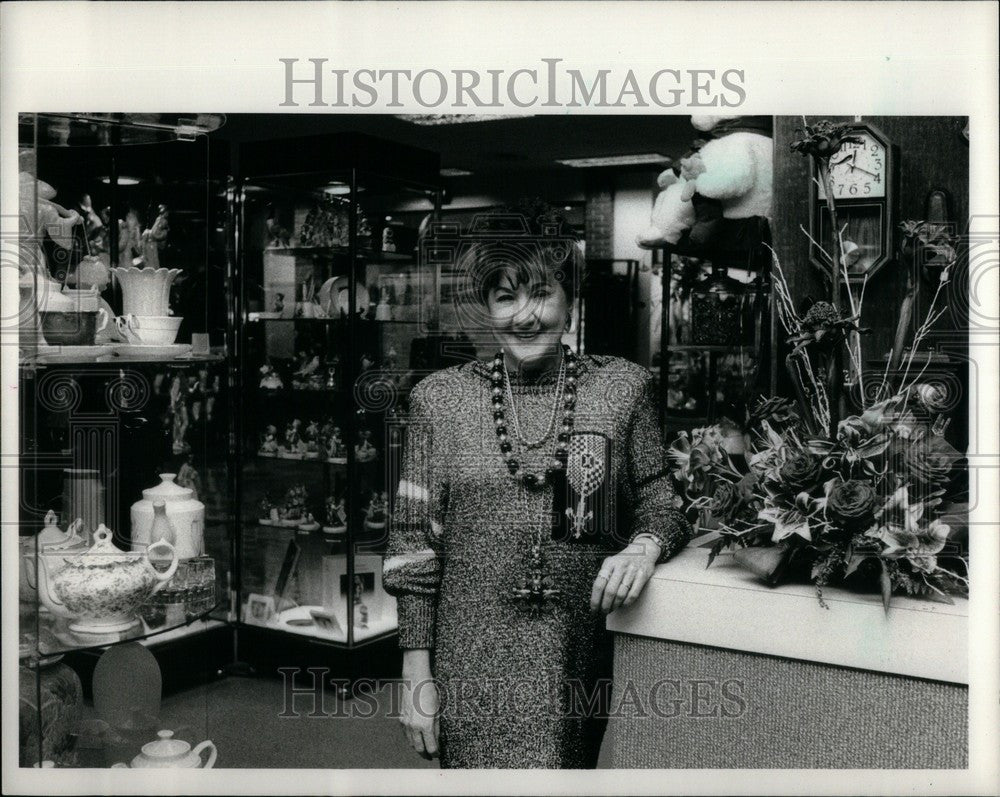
column 101, row 589
column 168, row 752
column 184, row 512
column 336, row 451
column 269, row 442
column 145, row 291
column 83, row 495
column 309, row 523
column 72, row 320
column 336, row 516
column 51, row 540
column 335, row 300
column 270, row 379
column 364, row 451
column 311, row 436
column 159, row 330
column 293, row 446
column 375, row 512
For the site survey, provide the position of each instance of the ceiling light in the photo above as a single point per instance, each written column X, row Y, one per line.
column 455, row 172
column 337, row 189
column 122, row 180
column 650, row 158
column 456, row 118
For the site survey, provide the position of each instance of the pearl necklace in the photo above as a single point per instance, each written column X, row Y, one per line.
column 565, row 396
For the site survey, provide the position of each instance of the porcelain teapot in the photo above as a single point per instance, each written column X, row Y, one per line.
column 102, row 588
column 185, row 513
column 167, row 751
column 50, row 540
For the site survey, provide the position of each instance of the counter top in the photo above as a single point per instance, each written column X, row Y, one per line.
column 725, row 606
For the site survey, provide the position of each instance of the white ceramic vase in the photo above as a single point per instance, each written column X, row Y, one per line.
column 145, row 291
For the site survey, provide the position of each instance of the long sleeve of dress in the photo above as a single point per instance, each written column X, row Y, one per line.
column 653, row 505
column 411, row 570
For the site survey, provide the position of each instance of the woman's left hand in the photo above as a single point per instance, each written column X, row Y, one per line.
column 623, row 576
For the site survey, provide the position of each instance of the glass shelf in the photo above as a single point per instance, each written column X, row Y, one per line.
column 54, row 636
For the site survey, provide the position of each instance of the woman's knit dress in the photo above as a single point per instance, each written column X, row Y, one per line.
column 518, row 689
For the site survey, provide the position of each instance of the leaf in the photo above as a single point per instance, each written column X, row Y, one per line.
column 886, row 584
column 854, row 563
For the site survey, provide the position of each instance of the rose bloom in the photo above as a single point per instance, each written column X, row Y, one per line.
column 725, row 501
column 928, row 460
column 853, row 502
column 801, row 470
column 932, row 398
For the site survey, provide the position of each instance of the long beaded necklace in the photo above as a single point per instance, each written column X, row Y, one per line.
column 535, row 590
column 566, row 396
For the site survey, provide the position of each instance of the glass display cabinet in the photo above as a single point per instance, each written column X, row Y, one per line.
column 337, row 320
column 125, row 475
column 717, row 334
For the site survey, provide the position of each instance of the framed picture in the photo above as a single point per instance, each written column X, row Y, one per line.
column 259, row 609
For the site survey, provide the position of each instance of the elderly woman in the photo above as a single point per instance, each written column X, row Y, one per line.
column 534, row 498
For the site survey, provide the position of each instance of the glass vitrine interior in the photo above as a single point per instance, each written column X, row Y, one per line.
column 714, row 339
column 339, row 319
column 123, row 427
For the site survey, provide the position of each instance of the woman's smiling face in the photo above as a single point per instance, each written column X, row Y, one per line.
column 528, row 316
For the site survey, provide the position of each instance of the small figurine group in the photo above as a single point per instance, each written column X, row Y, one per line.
column 375, row 512
column 312, row 373
column 269, row 378
column 291, row 513
column 336, row 515
column 314, row 441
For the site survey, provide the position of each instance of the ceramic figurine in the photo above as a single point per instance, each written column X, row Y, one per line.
column 269, row 379
column 375, row 512
column 264, row 507
column 388, row 242
column 336, row 516
column 269, row 442
column 365, row 451
column 189, row 477
column 311, row 436
column 294, row 510
column 383, row 311
column 336, row 451
column 308, row 524
column 293, row 437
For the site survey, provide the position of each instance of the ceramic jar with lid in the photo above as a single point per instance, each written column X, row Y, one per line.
column 185, row 513
column 168, row 752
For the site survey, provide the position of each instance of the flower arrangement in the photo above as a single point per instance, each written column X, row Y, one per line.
column 794, row 488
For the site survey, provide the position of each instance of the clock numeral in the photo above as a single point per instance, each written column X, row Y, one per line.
column 853, row 190
column 868, row 188
column 877, row 178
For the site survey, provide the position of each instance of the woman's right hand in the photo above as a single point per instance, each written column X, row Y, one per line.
column 421, row 703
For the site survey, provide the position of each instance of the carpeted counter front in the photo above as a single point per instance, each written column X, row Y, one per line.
column 714, row 669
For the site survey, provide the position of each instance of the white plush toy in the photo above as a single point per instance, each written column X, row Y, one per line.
column 671, row 216
column 735, row 167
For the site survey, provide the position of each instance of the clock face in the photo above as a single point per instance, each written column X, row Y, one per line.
column 858, row 170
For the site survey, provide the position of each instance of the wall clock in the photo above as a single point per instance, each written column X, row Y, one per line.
column 864, row 177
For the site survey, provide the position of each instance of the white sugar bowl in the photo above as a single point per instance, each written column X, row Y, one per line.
column 185, row 513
